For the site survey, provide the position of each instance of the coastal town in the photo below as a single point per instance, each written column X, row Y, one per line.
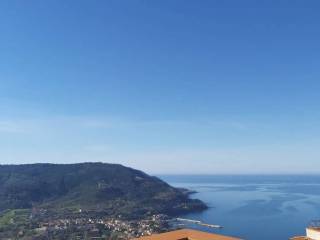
column 90, row 228
column 118, row 228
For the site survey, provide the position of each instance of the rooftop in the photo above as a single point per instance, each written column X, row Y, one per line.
column 300, row 238
column 187, row 234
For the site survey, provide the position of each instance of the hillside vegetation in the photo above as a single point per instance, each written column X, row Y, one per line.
column 108, row 189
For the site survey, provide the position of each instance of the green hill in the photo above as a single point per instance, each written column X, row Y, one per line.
column 108, row 189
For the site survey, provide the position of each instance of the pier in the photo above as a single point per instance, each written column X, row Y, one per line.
column 199, row 223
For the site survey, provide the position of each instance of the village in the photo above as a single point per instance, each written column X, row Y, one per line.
column 98, row 228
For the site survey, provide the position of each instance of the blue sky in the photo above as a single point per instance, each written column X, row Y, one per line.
column 163, row 86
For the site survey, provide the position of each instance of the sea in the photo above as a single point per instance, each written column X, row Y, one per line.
column 254, row 207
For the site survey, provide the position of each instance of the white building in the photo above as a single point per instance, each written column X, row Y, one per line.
column 313, row 233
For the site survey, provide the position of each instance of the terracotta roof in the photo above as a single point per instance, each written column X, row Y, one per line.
column 300, row 238
column 186, row 234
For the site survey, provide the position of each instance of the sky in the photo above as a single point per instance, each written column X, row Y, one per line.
column 168, row 87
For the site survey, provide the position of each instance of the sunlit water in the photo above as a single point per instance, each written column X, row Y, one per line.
column 255, row 207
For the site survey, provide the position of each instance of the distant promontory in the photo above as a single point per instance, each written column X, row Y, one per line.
column 108, row 189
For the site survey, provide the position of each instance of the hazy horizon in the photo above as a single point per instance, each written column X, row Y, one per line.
column 160, row 174
column 167, row 87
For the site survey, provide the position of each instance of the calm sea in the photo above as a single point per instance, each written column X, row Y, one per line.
column 254, row 207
